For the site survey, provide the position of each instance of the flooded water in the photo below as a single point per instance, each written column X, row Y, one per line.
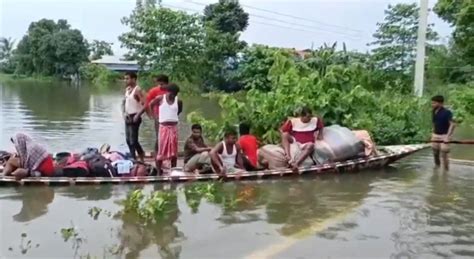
column 65, row 117
column 409, row 210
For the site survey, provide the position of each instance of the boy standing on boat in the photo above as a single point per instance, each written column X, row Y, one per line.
column 298, row 136
column 132, row 105
column 226, row 156
column 443, row 129
column 169, row 108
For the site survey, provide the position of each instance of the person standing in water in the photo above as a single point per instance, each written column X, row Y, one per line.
column 169, row 109
column 132, row 106
column 443, row 129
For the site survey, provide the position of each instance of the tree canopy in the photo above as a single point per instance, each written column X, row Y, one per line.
column 50, row 48
column 460, row 14
column 396, row 37
column 227, row 16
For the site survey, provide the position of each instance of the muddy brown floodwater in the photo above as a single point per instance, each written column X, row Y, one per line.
column 408, row 210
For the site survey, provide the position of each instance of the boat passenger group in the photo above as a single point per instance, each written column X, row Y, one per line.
column 304, row 142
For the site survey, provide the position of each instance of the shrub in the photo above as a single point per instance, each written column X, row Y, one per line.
column 98, row 75
column 392, row 118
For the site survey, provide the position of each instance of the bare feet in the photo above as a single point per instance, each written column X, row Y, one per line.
column 294, row 167
column 20, row 173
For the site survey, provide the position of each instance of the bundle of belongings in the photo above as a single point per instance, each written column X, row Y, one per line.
column 337, row 144
column 95, row 163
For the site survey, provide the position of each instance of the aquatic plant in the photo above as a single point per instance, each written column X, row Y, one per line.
column 151, row 208
column 68, row 233
column 94, row 212
column 132, row 202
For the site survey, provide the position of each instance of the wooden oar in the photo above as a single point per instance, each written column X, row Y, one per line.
column 466, row 142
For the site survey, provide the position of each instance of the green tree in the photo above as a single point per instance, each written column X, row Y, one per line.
column 50, row 48
column 219, row 54
column 6, row 48
column 100, row 48
column 227, row 16
column 395, row 38
column 166, row 40
column 6, row 52
column 459, row 14
column 254, row 66
column 447, row 64
column 70, row 51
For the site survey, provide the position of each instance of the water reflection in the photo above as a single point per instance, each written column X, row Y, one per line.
column 34, row 201
column 300, row 205
column 90, row 193
column 135, row 236
column 450, row 205
column 75, row 117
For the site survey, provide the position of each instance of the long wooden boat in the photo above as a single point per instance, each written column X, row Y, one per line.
column 389, row 154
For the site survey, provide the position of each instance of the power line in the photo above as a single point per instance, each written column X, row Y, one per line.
column 302, row 18
column 288, row 22
column 305, row 26
column 257, row 22
column 292, row 16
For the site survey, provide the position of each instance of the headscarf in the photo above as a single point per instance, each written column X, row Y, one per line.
column 31, row 153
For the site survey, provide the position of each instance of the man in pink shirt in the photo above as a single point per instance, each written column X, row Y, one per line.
column 298, row 136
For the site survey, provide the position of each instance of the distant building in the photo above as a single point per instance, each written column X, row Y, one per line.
column 116, row 63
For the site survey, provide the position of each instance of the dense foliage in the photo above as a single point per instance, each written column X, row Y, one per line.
column 50, row 48
column 165, row 40
column 458, row 60
column 227, row 16
column 6, row 52
column 459, row 14
column 98, row 75
column 336, row 95
column 187, row 47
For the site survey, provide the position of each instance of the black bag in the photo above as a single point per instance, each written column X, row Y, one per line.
column 99, row 166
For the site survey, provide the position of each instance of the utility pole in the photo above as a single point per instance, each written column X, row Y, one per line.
column 420, row 48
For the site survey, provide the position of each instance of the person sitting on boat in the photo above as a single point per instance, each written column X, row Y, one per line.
column 169, row 109
column 298, row 136
column 31, row 159
column 226, row 157
column 196, row 152
column 249, row 145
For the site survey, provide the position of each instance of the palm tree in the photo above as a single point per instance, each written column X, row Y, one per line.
column 6, row 48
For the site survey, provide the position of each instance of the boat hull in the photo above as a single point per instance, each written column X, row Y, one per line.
column 392, row 154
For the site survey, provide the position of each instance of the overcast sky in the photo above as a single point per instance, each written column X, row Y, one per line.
column 350, row 21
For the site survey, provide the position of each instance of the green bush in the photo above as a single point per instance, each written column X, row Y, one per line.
column 461, row 100
column 392, row 118
column 98, row 75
